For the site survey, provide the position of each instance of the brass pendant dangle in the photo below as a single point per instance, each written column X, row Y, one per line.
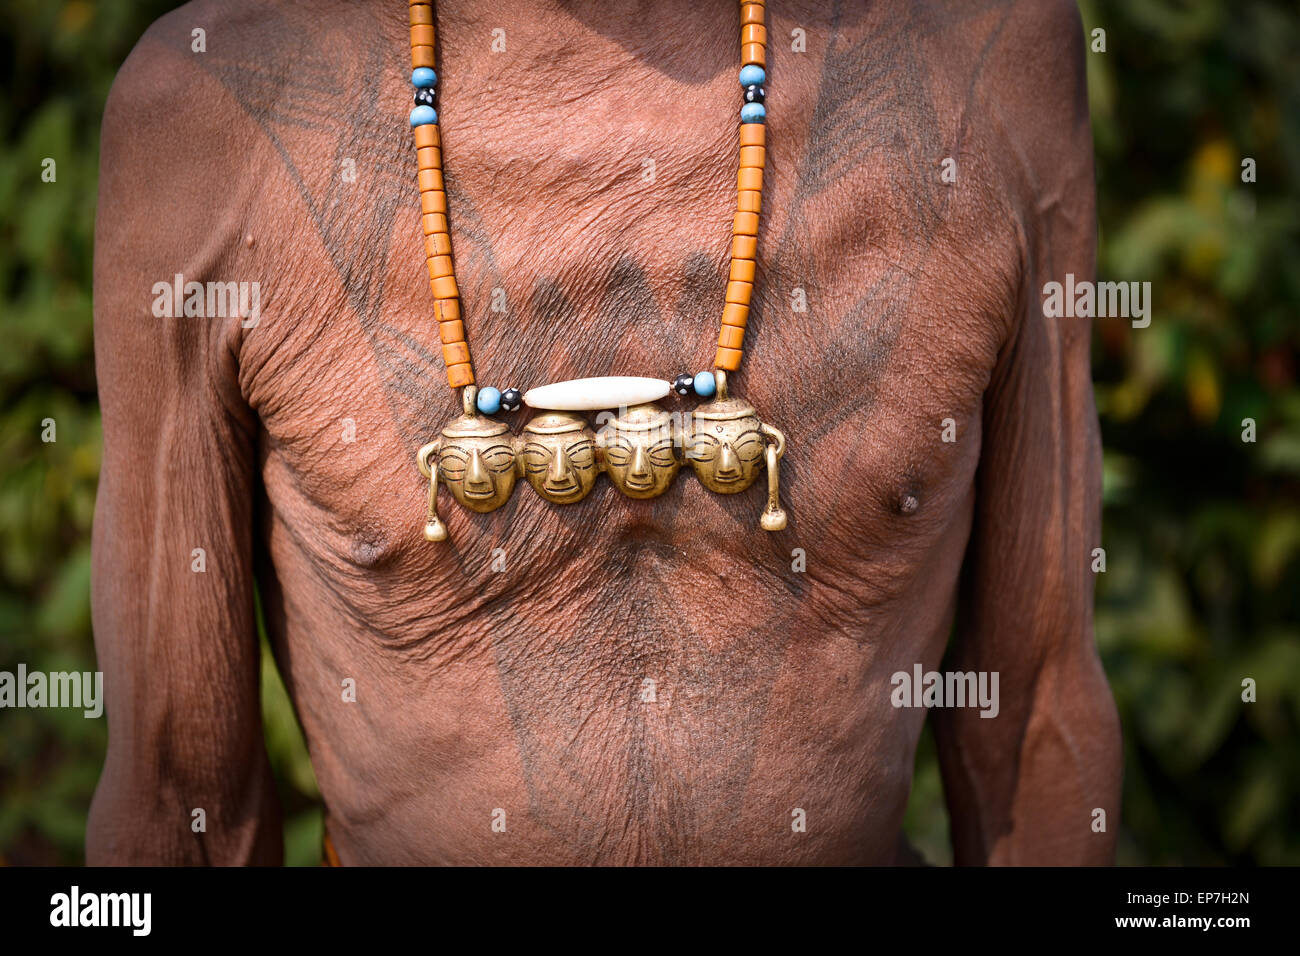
column 728, row 446
column 640, row 449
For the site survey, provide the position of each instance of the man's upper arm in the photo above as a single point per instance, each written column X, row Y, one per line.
column 1023, row 786
column 172, row 576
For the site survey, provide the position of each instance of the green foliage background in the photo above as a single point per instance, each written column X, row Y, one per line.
column 1202, row 530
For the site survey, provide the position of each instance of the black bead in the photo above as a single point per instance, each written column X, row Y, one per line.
column 755, row 94
column 511, row 399
column 684, row 384
column 424, row 96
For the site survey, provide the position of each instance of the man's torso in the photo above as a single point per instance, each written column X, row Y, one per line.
column 616, row 680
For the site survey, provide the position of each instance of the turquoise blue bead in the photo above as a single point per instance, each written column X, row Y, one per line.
column 424, row 115
column 752, row 113
column 424, row 77
column 705, row 385
column 489, row 400
column 752, row 75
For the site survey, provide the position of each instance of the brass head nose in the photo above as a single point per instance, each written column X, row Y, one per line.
column 640, row 463
column 558, row 473
column 476, row 475
column 728, row 463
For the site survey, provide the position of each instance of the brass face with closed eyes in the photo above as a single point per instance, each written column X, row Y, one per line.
column 640, row 451
column 557, row 455
column 725, row 445
column 476, row 461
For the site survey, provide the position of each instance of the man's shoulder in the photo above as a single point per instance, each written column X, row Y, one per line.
column 1041, row 45
column 1015, row 74
column 1042, row 27
column 206, row 61
column 179, row 161
column 1028, row 47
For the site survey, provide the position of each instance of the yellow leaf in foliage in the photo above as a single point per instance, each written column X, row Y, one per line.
column 1203, row 393
column 1215, row 162
column 76, row 16
column 1203, row 253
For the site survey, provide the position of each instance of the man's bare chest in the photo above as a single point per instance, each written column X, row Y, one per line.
column 879, row 404
column 876, row 321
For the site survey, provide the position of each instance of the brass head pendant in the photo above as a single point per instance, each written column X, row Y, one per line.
column 476, row 461
column 557, row 452
column 641, row 449
column 728, row 445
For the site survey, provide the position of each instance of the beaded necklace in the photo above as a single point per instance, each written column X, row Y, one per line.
column 640, row 446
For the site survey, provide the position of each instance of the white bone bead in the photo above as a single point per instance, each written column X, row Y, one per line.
column 589, row 394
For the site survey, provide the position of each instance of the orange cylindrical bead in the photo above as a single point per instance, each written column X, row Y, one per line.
column 750, row 177
column 743, row 247
column 727, row 359
column 753, row 157
column 731, row 337
column 751, row 13
column 749, row 200
column 437, row 244
column 430, row 180
column 430, row 157
column 458, row 375
column 427, row 135
column 742, row 270
column 435, row 200
column 433, row 222
column 454, row 353
column 738, row 292
column 750, row 53
column 453, row 331
column 444, row 287
column 422, row 56
column 440, row 266
column 422, row 34
column 446, row 310
column 752, row 134
column 745, row 224
column 421, row 13
column 750, row 33
column 733, row 313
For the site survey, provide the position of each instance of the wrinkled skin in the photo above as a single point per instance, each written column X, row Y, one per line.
column 526, row 691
